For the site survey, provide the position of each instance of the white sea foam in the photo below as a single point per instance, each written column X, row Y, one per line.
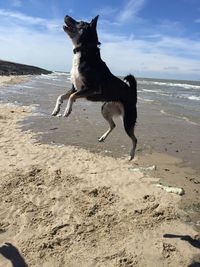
column 55, row 76
column 34, row 107
column 158, row 92
column 190, row 97
column 178, row 117
column 165, row 94
column 193, row 97
column 145, row 100
column 61, row 73
column 150, row 91
column 53, row 84
column 26, row 86
column 183, row 85
column 164, row 112
column 175, row 94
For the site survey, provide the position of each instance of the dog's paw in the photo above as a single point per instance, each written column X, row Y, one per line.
column 101, row 139
column 55, row 112
column 130, row 157
column 66, row 113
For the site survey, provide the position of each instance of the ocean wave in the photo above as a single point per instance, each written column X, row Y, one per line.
column 176, row 94
column 193, row 97
column 145, row 99
column 53, row 84
column 157, row 92
column 26, row 86
column 34, row 107
column 183, row 85
column 150, row 91
column 61, row 73
column 178, row 117
column 190, row 97
column 55, row 76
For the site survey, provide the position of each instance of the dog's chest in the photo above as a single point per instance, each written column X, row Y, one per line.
column 76, row 77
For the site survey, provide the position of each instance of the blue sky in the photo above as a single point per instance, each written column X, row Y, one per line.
column 149, row 38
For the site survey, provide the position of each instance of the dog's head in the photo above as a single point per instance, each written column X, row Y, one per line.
column 81, row 32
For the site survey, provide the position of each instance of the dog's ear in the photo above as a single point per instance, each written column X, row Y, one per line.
column 93, row 22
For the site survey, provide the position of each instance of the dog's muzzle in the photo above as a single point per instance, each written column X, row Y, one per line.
column 69, row 25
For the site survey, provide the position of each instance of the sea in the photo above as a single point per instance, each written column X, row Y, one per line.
column 175, row 98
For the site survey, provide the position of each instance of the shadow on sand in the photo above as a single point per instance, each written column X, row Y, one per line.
column 194, row 264
column 194, row 242
column 11, row 253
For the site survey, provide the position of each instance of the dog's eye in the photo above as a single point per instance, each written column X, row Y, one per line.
column 80, row 31
column 81, row 24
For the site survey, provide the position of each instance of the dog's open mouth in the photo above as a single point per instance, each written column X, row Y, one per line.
column 68, row 28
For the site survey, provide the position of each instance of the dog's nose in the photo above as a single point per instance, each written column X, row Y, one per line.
column 66, row 18
column 69, row 19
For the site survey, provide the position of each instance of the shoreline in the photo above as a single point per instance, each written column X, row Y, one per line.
column 68, row 199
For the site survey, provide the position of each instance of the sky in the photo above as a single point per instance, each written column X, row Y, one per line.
column 148, row 38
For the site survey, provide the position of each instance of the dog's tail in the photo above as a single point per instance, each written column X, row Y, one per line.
column 133, row 85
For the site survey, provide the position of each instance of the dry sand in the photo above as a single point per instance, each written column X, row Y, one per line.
column 63, row 206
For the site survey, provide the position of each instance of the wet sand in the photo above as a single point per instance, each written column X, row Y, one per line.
column 66, row 206
column 8, row 80
column 85, row 125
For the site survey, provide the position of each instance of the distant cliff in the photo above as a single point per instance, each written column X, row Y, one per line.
column 11, row 68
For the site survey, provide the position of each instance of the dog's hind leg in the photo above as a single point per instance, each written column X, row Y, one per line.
column 60, row 100
column 109, row 110
column 107, row 113
column 130, row 115
column 134, row 141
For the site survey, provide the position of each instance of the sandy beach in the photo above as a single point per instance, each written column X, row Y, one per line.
column 67, row 206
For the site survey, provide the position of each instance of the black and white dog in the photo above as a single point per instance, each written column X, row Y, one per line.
column 91, row 79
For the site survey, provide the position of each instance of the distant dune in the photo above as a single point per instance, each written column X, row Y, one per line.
column 12, row 68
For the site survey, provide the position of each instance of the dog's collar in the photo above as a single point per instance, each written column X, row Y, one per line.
column 85, row 48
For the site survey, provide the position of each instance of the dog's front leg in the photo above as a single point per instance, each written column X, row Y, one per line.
column 60, row 100
column 80, row 94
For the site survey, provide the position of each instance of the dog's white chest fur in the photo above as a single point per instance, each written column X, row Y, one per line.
column 76, row 77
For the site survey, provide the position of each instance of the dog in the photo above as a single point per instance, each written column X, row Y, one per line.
column 91, row 79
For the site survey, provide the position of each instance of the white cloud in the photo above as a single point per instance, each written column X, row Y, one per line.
column 130, row 10
column 22, row 41
column 149, row 58
column 179, row 45
column 20, row 17
column 105, row 11
column 47, row 50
